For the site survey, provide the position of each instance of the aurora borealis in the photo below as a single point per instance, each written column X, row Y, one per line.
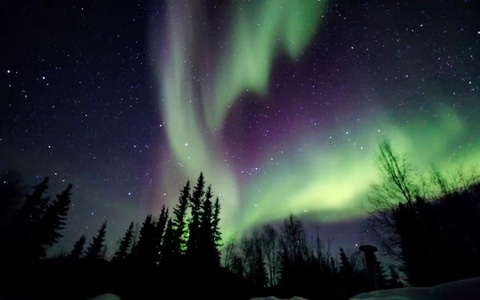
column 329, row 168
column 281, row 104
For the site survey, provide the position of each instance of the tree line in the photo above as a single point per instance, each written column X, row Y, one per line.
column 192, row 233
column 429, row 228
column 190, row 236
column 289, row 262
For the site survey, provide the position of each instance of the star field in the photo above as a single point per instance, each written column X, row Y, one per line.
column 281, row 104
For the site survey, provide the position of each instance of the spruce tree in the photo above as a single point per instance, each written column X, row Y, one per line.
column 159, row 231
column 145, row 253
column 54, row 220
column 26, row 240
column 124, row 249
column 34, row 204
column 179, row 223
column 77, row 250
column 95, row 248
column 194, row 224
column 168, row 250
column 217, row 235
column 206, row 243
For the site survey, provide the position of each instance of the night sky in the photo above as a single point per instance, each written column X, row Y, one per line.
column 281, row 104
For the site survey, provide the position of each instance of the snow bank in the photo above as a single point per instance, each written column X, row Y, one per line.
column 107, row 296
column 468, row 289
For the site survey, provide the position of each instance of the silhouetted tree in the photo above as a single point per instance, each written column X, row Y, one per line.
column 293, row 254
column 125, row 245
column 428, row 225
column 260, row 278
column 208, row 233
column 217, row 235
column 293, row 239
column 159, row 233
column 251, row 257
column 133, row 249
column 194, row 223
column 416, row 249
column 179, row 238
column 349, row 278
column 396, row 186
column 54, row 220
column 346, row 268
column 228, row 252
column 145, row 251
column 168, row 250
column 270, row 246
column 94, row 250
column 77, row 250
column 237, row 265
column 393, row 280
column 319, row 266
column 34, row 204
column 160, row 227
column 26, row 240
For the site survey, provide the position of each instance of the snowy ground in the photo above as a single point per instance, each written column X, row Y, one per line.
column 468, row 289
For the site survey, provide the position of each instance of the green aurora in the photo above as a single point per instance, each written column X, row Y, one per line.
column 323, row 178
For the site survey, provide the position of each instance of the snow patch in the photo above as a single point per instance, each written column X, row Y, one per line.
column 106, row 296
column 467, row 289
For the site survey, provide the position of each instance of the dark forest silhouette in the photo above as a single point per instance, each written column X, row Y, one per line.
column 430, row 230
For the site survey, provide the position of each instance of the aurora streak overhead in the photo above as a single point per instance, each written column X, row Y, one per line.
column 208, row 77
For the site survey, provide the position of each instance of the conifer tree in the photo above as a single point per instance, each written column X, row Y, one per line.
column 34, row 204
column 77, row 250
column 168, row 250
column 124, row 249
column 133, row 249
column 196, row 209
column 145, row 253
column 95, row 248
column 179, row 223
column 54, row 220
column 159, row 231
column 26, row 241
column 206, row 243
column 217, row 235
column 346, row 268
